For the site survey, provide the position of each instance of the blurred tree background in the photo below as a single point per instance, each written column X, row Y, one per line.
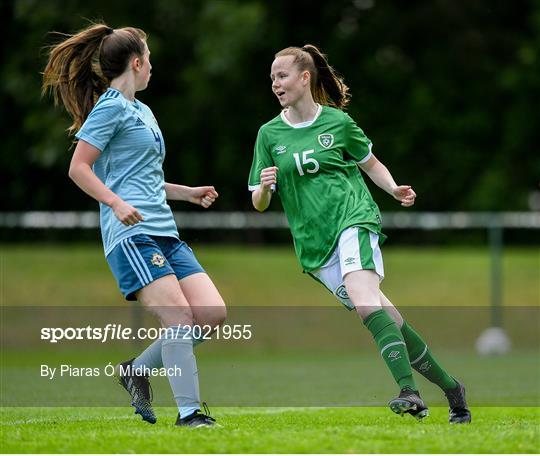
column 448, row 91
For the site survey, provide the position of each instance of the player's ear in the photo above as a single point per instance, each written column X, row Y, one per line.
column 306, row 77
column 136, row 63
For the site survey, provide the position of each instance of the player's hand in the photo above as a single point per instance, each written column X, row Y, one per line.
column 269, row 178
column 405, row 195
column 203, row 196
column 126, row 213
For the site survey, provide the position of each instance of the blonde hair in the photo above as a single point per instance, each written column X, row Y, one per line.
column 81, row 67
column 327, row 87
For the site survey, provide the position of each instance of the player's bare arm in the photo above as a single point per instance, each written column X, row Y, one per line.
column 203, row 196
column 381, row 176
column 263, row 195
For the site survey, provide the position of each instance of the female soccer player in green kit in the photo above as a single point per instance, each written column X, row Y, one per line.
column 311, row 155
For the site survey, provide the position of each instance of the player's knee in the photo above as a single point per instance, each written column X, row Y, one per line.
column 220, row 315
column 365, row 309
column 217, row 316
column 396, row 316
column 181, row 316
column 173, row 314
column 219, row 311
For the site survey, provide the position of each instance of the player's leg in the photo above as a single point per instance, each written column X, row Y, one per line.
column 392, row 311
column 361, row 268
column 207, row 305
column 144, row 273
column 135, row 263
column 423, row 361
column 166, row 300
column 352, row 274
column 208, row 310
column 132, row 267
column 363, row 290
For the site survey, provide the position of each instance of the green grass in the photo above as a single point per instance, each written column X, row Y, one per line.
column 273, row 379
column 269, row 430
column 307, row 358
column 60, row 275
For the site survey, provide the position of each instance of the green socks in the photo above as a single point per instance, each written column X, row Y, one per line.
column 423, row 361
column 393, row 350
column 403, row 349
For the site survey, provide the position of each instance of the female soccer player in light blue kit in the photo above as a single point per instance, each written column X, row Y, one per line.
column 310, row 154
column 118, row 161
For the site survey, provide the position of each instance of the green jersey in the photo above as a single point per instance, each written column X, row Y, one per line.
column 319, row 182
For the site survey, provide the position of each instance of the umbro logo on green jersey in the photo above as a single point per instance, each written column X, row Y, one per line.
column 326, row 140
column 280, row 149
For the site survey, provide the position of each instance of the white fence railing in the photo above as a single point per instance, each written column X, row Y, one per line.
column 276, row 220
column 493, row 222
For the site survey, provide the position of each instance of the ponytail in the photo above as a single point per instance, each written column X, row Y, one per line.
column 327, row 87
column 81, row 67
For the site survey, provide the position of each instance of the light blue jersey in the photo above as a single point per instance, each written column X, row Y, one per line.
column 130, row 164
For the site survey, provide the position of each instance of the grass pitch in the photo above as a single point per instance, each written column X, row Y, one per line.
column 269, row 430
column 69, row 275
column 77, row 275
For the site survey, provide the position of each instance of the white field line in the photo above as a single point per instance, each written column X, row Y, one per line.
column 120, row 417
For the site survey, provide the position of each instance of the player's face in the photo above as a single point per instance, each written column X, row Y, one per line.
column 289, row 84
column 145, row 69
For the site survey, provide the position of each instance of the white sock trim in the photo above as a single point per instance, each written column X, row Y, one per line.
column 391, row 344
column 421, row 356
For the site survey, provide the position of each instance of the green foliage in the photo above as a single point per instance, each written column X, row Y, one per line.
column 448, row 92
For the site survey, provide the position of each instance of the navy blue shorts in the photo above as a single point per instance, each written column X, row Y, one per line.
column 139, row 260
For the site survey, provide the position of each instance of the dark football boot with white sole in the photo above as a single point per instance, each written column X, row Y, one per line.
column 409, row 401
column 197, row 419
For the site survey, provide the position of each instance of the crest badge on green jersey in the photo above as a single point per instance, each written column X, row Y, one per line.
column 326, row 140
